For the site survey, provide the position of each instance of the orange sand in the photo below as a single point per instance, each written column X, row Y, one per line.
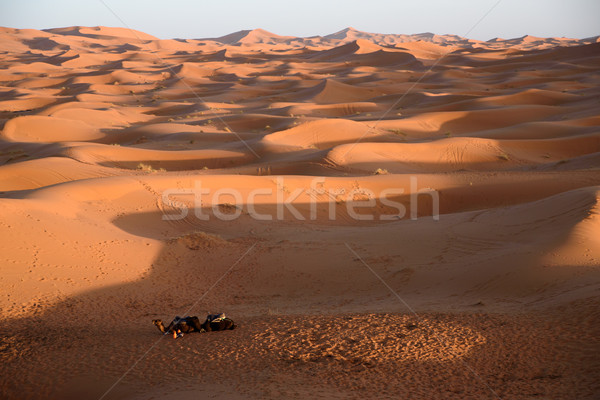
column 98, row 123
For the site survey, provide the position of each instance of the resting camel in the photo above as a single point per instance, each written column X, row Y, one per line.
column 179, row 326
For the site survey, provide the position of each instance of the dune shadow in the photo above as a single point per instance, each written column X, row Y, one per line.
column 192, row 273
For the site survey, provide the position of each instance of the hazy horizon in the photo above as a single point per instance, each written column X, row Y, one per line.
column 303, row 37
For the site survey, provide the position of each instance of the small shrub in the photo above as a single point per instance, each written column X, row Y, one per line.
column 145, row 167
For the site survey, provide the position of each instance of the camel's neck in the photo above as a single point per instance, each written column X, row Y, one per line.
column 161, row 326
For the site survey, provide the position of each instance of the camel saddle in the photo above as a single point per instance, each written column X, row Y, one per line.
column 215, row 317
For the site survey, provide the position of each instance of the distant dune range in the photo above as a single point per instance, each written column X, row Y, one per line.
column 98, row 123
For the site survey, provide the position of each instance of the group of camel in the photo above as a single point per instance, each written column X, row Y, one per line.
column 179, row 326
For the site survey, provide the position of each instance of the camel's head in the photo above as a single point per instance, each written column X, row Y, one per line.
column 159, row 325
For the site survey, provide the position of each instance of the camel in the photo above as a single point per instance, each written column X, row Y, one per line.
column 179, row 326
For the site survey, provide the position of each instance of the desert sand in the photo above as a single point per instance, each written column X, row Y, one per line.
column 471, row 270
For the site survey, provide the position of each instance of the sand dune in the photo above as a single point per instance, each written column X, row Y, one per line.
column 101, row 32
column 294, row 183
column 359, row 46
column 38, row 173
column 455, row 154
column 48, row 129
column 322, row 134
column 362, row 52
column 255, row 36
